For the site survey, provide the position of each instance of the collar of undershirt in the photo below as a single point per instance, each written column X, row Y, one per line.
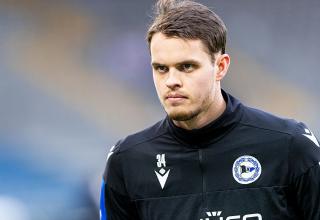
column 214, row 131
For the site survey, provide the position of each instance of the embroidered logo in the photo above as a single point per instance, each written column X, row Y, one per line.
column 110, row 152
column 162, row 173
column 218, row 215
column 311, row 136
column 246, row 169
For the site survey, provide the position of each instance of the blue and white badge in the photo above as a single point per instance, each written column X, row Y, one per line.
column 246, row 169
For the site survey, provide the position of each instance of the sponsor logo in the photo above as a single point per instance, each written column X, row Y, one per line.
column 162, row 172
column 110, row 152
column 246, row 169
column 308, row 134
column 217, row 215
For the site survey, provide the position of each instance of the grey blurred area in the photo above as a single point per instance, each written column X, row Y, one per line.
column 75, row 77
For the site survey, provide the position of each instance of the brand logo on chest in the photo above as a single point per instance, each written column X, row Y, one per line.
column 162, row 172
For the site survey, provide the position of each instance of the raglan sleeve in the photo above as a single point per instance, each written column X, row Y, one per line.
column 115, row 203
column 304, row 167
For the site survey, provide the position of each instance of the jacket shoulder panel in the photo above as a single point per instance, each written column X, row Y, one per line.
column 140, row 137
column 264, row 120
column 303, row 148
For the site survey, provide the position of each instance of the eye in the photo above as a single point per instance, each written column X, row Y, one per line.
column 161, row 69
column 187, row 67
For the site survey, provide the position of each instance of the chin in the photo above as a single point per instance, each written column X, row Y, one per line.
column 182, row 115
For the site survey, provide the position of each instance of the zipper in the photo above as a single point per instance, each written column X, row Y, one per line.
column 204, row 185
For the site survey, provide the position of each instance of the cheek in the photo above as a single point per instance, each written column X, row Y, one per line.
column 158, row 85
column 155, row 81
column 204, row 85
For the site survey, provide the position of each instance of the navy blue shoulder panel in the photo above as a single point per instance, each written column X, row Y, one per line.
column 145, row 135
column 304, row 149
column 263, row 120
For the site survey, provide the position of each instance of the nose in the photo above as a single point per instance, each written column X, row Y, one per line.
column 173, row 80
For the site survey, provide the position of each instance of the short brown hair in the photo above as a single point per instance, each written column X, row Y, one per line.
column 187, row 19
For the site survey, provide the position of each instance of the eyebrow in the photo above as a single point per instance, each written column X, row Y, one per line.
column 192, row 61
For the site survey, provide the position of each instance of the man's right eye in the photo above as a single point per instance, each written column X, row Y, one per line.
column 161, row 69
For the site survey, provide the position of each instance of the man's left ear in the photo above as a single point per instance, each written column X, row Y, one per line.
column 222, row 62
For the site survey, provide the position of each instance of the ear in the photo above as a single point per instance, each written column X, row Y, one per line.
column 222, row 64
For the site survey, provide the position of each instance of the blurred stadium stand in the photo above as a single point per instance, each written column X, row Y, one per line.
column 75, row 77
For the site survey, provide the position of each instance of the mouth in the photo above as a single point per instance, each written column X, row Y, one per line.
column 175, row 97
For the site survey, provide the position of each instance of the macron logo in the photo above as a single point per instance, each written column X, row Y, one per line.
column 311, row 136
column 163, row 173
column 110, row 152
column 162, row 177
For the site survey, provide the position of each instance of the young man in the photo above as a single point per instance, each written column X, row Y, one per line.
column 211, row 158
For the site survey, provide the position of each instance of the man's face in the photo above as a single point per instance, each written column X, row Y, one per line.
column 184, row 76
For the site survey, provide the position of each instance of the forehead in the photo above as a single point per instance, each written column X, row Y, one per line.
column 171, row 50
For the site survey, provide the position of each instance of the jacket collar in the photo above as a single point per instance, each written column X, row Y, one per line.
column 214, row 131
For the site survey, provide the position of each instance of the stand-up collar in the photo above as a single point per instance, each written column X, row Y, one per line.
column 198, row 138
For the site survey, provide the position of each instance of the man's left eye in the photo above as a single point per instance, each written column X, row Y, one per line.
column 187, row 67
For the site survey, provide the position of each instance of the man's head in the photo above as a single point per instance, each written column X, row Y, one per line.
column 189, row 20
column 187, row 45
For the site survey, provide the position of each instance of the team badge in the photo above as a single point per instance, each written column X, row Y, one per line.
column 246, row 169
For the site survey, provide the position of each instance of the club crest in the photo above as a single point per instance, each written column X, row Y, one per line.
column 246, row 169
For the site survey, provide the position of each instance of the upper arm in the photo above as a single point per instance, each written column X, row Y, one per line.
column 115, row 202
column 304, row 164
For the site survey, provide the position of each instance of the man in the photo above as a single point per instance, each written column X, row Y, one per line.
column 211, row 158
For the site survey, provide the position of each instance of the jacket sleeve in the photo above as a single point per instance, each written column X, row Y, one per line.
column 305, row 172
column 115, row 203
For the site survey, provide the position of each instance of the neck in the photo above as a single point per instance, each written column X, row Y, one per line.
column 213, row 111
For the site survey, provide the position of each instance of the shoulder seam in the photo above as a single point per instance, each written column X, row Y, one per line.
column 254, row 126
column 149, row 139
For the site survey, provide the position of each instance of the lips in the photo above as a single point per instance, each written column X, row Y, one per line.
column 175, row 96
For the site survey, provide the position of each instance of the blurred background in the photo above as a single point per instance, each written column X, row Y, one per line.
column 75, row 77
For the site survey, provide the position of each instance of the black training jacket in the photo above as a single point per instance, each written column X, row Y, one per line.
column 246, row 165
